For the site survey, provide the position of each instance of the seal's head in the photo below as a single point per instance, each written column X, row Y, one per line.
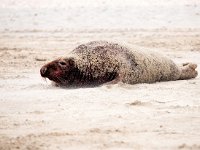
column 58, row 70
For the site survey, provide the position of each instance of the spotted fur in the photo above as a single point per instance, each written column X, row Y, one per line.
column 99, row 62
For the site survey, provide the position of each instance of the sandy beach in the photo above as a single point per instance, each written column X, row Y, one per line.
column 35, row 115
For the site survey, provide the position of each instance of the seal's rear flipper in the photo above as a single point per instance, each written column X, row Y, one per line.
column 188, row 71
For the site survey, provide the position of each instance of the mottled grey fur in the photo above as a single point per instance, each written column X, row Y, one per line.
column 98, row 58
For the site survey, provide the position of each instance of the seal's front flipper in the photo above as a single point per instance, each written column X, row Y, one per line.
column 115, row 80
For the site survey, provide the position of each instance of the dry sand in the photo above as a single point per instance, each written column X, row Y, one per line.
column 36, row 115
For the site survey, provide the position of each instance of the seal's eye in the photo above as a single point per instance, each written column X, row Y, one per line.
column 62, row 63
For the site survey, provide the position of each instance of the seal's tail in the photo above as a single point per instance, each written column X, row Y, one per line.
column 188, row 71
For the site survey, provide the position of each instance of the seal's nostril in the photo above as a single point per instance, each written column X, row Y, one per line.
column 43, row 71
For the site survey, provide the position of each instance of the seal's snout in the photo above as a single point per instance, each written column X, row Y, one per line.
column 43, row 71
